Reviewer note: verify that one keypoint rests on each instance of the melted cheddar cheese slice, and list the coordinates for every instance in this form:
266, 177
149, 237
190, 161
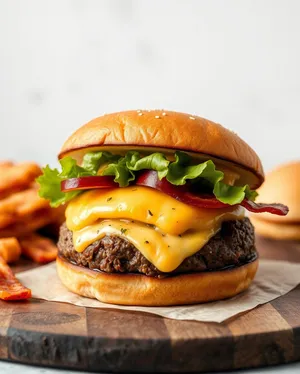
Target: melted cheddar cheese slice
141, 204
163, 229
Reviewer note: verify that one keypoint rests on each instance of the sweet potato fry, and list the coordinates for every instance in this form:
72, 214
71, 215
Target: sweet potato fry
38, 248
17, 177
32, 223
5, 164
24, 209
10, 249
10, 287
22, 203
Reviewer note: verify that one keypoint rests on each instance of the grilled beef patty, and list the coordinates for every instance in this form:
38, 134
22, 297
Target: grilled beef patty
233, 245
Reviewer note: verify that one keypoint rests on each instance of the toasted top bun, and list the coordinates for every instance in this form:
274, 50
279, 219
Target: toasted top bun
168, 130
282, 186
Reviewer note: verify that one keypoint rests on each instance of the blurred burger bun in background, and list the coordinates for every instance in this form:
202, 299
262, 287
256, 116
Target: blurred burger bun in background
281, 184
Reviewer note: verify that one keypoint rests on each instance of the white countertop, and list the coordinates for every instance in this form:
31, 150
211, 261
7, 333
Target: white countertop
9, 368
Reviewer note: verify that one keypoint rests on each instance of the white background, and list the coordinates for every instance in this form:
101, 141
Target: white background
63, 62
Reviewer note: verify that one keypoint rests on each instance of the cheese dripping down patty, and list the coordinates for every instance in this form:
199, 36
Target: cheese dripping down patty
164, 230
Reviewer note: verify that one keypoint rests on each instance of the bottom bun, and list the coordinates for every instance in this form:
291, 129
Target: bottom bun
136, 289
276, 230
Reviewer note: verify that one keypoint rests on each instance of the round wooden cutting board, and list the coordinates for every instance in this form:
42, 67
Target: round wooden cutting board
68, 336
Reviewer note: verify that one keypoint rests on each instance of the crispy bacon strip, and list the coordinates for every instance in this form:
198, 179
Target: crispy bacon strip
10, 249
38, 248
10, 287
278, 209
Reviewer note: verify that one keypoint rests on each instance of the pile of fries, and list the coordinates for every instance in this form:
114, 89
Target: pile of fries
22, 213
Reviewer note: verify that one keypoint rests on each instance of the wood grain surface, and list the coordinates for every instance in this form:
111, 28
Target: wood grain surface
68, 336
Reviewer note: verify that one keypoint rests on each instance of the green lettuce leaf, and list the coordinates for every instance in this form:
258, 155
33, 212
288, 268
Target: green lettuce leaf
250, 194
233, 194
204, 176
70, 169
119, 170
50, 186
181, 169
51, 179
155, 161
123, 169
92, 161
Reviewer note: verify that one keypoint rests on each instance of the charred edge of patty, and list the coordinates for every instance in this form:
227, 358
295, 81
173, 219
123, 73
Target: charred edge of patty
232, 246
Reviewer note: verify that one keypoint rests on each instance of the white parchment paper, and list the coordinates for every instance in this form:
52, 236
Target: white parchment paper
273, 279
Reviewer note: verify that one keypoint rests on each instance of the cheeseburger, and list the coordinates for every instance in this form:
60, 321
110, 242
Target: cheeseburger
286, 178
156, 209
